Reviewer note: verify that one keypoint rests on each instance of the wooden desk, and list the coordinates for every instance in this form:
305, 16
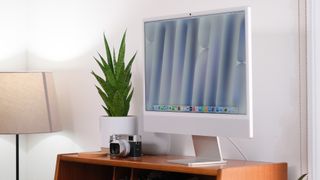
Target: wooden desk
73, 167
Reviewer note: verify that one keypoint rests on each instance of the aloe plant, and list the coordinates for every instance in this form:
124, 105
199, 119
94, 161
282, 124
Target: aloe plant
115, 86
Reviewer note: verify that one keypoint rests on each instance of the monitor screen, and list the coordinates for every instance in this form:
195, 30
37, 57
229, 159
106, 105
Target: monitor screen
198, 64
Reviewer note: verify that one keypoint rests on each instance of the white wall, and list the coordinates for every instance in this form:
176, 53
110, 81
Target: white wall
13, 35
64, 35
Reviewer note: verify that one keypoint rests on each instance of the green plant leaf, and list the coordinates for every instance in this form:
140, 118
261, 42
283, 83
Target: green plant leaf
120, 66
126, 108
103, 96
102, 60
128, 68
127, 78
110, 77
106, 71
107, 110
130, 96
107, 88
101, 66
114, 58
301, 177
120, 73
108, 53
100, 80
122, 49
121, 77
118, 102
127, 90
127, 103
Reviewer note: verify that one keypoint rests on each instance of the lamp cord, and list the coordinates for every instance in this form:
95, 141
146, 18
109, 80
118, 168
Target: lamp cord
238, 149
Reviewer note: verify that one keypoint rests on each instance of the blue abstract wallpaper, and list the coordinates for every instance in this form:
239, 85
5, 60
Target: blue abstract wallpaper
196, 64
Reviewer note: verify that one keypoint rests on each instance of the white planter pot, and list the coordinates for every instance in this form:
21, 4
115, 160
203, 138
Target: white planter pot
116, 125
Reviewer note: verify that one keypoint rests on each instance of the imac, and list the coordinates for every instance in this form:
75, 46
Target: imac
197, 78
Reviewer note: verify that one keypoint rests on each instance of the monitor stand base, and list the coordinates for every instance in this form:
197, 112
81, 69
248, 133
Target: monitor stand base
207, 150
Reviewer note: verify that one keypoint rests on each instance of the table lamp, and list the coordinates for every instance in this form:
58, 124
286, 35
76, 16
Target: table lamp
27, 105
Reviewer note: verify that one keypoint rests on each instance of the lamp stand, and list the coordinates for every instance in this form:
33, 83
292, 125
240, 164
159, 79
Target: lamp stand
17, 156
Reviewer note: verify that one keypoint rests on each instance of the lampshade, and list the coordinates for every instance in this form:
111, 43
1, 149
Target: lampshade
27, 103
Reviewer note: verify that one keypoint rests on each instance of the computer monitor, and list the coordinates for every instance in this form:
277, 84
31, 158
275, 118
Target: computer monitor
197, 76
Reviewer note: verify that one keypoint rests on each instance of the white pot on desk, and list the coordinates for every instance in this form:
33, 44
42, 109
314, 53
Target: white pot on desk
116, 125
